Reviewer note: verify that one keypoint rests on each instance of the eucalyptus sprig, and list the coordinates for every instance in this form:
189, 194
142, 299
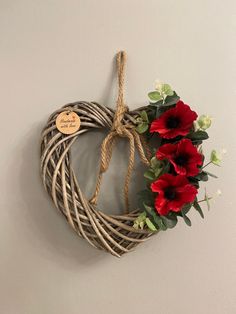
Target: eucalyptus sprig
143, 122
161, 92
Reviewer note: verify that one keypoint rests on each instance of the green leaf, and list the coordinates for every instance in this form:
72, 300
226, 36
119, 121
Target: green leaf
187, 220
157, 172
165, 168
196, 142
154, 162
150, 225
157, 104
150, 175
170, 223
148, 208
156, 218
154, 96
167, 90
198, 135
140, 220
194, 182
186, 209
161, 223
141, 217
202, 176
141, 224
171, 100
142, 127
144, 116
151, 113
156, 166
203, 156
198, 208
146, 196
139, 120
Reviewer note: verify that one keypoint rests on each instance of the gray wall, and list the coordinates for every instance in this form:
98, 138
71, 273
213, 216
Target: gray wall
55, 52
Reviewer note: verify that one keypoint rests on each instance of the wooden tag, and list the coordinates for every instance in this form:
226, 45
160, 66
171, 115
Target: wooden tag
68, 122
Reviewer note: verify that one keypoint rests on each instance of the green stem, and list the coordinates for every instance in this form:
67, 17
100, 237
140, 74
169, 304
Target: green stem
204, 200
207, 164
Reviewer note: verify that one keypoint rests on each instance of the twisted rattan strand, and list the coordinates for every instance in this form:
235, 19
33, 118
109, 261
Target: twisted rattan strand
112, 233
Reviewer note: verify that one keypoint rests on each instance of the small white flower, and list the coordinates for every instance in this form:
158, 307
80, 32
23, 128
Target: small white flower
158, 85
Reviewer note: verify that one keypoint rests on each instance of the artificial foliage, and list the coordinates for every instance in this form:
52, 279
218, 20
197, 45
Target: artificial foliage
177, 166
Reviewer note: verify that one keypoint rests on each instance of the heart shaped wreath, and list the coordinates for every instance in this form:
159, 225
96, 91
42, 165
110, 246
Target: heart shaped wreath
174, 168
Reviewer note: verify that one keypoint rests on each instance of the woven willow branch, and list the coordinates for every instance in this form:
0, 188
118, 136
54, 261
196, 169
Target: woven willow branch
111, 233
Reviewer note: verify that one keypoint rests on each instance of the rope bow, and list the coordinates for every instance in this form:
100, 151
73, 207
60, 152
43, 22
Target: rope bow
121, 130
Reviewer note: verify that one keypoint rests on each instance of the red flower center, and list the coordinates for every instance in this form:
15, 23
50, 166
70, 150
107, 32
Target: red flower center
175, 121
181, 160
170, 193
183, 155
172, 122
173, 192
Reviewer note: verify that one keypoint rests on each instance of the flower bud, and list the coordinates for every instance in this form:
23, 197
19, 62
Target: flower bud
215, 158
204, 122
158, 85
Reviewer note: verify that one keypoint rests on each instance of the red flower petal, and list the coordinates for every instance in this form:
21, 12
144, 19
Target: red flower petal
162, 207
184, 156
175, 121
173, 193
163, 182
166, 151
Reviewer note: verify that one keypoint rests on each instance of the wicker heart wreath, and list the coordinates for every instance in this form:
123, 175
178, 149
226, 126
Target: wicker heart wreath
174, 169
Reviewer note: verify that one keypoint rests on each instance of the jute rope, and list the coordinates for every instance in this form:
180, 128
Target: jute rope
112, 233
119, 129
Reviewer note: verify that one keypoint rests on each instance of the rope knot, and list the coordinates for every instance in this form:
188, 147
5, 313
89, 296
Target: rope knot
122, 130
118, 125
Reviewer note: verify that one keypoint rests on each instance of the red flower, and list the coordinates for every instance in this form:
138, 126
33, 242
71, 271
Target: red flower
175, 121
173, 193
184, 156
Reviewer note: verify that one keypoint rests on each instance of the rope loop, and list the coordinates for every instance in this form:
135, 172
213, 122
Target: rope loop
119, 129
